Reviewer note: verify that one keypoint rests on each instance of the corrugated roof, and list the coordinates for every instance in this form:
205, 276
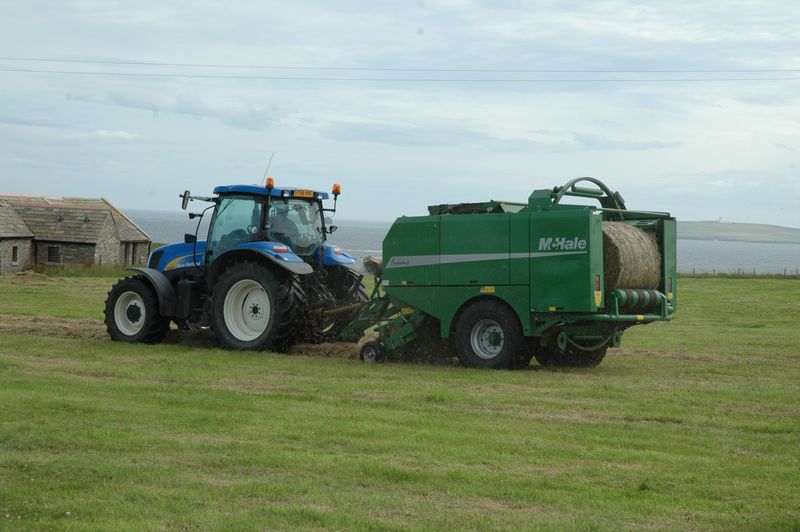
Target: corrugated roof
11, 225
72, 219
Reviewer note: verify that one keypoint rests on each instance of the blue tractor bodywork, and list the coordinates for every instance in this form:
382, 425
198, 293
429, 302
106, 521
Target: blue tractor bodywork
190, 255
279, 235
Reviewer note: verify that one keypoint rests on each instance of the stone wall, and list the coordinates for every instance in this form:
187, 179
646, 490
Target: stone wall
133, 253
69, 254
107, 248
23, 262
141, 253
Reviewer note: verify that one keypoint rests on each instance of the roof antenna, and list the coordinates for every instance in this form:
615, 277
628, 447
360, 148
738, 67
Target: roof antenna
267, 170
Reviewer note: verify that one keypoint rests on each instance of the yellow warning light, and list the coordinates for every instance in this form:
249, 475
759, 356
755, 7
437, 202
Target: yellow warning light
270, 182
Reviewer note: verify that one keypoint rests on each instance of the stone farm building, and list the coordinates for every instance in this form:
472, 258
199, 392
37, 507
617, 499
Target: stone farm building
40, 231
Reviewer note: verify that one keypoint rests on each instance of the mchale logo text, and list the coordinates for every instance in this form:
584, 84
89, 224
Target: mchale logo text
561, 244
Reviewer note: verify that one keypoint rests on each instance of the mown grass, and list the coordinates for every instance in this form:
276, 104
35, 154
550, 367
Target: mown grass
693, 424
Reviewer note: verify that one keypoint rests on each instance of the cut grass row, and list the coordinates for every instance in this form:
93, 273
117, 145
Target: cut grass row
693, 424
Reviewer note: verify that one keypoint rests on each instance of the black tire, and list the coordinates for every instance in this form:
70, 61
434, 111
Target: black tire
254, 308
372, 351
488, 335
347, 288
131, 313
571, 357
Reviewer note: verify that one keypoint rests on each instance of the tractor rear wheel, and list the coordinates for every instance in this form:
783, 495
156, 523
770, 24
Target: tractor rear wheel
571, 357
252, 308
131, 313
488, 335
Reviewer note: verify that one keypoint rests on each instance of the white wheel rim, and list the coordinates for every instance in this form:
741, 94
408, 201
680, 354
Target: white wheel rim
129, 313
370, 354
246, 310
486, 339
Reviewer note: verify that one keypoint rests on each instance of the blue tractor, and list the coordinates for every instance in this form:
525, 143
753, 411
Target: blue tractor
263, 279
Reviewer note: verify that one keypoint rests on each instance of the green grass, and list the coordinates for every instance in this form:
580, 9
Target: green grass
693, 424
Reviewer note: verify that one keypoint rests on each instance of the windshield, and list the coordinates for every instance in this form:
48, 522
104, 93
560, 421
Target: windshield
296, 223
237, 219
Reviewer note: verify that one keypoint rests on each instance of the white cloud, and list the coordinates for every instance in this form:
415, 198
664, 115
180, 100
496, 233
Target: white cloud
658, 140
106, 135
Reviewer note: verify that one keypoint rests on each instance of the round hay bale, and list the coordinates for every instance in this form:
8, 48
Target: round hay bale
630, 257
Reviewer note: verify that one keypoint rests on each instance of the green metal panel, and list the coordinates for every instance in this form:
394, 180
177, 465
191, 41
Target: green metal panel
475, 249
520, 243
566, 257
443, 302
669, 255
411, 251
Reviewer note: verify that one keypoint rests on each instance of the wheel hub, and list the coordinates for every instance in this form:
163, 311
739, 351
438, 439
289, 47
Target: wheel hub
129, 313
134, 313
486, 339
370, 355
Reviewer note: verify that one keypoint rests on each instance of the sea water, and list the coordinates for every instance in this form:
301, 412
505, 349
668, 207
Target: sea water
363, 238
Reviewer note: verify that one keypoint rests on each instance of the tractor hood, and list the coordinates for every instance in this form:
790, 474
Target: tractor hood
179, 255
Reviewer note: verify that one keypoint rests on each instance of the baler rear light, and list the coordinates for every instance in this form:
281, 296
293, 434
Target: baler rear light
337, 251
280, 249
598, 295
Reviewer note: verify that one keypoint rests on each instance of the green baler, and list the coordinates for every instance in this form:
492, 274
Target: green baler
502, 282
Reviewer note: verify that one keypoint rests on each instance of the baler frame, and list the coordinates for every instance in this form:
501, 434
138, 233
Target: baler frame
397, 316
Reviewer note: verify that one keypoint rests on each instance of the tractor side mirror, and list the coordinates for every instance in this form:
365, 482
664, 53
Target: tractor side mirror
185, 203
330, 228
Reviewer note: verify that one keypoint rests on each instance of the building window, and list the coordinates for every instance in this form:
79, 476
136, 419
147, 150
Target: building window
53, 254
14, 255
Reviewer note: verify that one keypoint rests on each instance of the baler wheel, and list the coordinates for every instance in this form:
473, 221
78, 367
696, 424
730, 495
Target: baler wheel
372, 351
131, 313
252, 308
488, 335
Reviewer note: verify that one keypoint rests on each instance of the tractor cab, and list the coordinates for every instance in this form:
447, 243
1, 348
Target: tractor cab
285, 225
245, 214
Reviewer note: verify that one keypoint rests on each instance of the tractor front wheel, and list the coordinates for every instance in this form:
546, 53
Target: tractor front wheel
253, 309
488, 335
131, 313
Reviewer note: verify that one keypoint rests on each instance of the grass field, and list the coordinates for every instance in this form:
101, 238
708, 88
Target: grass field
693, 424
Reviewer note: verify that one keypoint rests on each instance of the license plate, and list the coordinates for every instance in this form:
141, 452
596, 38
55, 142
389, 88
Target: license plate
303, 193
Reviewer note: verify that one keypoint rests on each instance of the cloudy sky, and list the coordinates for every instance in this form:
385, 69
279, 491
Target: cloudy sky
687, 106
